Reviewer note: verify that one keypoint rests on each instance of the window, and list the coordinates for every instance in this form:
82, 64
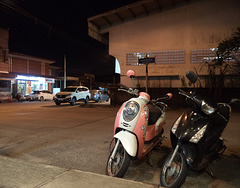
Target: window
5, 86
161, 57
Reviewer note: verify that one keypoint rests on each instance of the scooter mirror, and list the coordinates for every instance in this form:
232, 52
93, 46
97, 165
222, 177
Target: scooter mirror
192, 76
169, 96
236, 101
130, 74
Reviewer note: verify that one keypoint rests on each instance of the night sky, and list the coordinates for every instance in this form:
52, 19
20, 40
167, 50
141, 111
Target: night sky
61, 29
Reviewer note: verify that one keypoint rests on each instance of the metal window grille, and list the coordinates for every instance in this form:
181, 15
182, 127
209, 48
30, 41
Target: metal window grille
203, 55
161, 57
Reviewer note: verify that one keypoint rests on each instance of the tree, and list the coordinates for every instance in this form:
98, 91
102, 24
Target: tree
227, 61
229, 51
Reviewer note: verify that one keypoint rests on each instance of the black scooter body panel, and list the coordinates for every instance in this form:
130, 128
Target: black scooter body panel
191, 122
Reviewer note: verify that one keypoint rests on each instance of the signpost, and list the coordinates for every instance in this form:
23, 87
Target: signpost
146, 61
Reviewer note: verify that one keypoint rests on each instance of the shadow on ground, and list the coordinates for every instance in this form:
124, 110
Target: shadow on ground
226, 171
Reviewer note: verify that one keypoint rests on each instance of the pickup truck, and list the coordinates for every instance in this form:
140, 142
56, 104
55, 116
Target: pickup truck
72, 94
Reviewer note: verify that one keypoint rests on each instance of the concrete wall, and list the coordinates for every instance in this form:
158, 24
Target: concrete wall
199, 25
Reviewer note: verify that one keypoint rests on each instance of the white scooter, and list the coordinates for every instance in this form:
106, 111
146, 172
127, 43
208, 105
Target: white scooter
138, 128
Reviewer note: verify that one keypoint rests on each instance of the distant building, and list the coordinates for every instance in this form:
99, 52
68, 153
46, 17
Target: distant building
178, 34
20, 73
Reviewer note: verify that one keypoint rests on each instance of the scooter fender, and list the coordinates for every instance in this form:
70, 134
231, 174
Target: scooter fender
129, 142
190, 152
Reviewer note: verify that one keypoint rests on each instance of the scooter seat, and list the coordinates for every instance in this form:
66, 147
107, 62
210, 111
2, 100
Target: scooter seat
154, 114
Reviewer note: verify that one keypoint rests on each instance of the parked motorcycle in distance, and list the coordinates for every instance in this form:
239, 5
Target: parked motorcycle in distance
138, 128
195, 137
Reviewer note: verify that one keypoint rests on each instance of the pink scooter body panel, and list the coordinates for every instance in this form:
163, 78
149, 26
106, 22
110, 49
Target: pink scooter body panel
140, 127
117, 119
140, 130
150, 133
153, 130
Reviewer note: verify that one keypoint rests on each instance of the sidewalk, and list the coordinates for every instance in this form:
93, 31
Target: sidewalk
18, 173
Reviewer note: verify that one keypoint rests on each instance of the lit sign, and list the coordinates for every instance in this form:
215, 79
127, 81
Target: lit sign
49, 80
34, 78
30, 78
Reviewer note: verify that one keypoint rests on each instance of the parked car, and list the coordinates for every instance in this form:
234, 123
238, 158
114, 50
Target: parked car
98, 95
72, 94
40, 95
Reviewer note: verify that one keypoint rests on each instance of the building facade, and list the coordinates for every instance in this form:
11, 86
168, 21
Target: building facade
180, 35
20, 73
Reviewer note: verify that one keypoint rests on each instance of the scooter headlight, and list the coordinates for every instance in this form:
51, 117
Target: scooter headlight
130, 111
207, 109
198, 135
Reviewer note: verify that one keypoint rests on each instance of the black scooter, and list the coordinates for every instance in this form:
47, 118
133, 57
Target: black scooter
195, 137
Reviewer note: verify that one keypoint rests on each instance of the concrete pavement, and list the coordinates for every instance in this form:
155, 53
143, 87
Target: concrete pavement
25, 174
19, 173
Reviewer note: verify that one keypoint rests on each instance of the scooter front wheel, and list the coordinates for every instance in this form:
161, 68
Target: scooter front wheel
174, 175
117, 165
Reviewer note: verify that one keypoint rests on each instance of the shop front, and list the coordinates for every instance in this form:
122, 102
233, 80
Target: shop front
26, 84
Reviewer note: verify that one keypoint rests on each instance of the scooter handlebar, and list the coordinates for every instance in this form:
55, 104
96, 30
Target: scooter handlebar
168, 96
184, 93
130, 91
191, 96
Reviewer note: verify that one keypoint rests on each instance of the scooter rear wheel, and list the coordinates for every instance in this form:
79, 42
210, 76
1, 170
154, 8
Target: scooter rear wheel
175, 175
118, 166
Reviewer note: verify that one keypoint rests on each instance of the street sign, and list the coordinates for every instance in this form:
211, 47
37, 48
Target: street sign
146, 60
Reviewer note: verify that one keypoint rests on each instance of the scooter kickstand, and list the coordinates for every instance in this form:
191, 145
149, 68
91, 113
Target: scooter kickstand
210, 172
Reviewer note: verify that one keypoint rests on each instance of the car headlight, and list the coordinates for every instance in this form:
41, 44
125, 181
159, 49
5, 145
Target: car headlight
206, 108
175, 125
130, 111
198, 135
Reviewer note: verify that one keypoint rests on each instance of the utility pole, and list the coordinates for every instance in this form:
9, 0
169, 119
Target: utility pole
65, 72
147, 77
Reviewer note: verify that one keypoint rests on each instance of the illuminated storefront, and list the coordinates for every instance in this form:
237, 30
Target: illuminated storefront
27, 84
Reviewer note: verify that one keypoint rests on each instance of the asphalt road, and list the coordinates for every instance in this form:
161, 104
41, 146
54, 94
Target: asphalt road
66, 136
78, 137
